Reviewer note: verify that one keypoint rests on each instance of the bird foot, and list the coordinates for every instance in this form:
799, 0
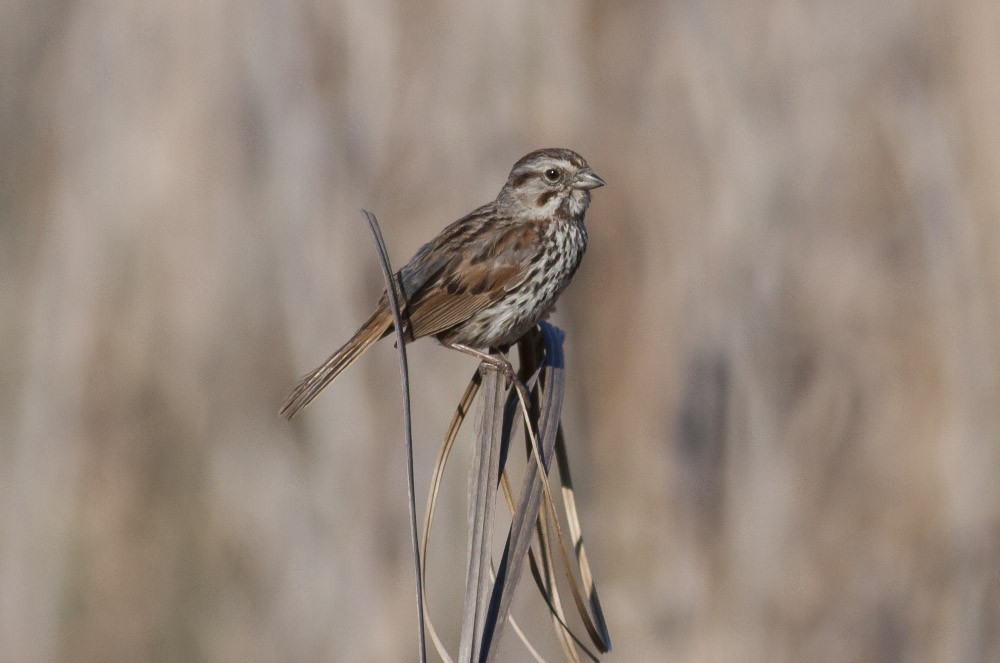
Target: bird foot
499, 363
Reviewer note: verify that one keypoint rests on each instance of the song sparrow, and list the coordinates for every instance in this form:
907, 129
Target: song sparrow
489, 277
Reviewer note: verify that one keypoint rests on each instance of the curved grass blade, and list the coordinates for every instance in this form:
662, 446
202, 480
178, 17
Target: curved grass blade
442, 460
393, 297
486, 475
481, 632
444, 453
563, 632
576, 532
532, 486
590, 610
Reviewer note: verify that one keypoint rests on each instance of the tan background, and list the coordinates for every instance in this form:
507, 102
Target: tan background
783, 344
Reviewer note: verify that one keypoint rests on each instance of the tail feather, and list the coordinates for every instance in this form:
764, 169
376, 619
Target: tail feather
375, 328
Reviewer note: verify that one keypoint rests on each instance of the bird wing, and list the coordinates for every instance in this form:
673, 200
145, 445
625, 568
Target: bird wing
489, 260
437, 309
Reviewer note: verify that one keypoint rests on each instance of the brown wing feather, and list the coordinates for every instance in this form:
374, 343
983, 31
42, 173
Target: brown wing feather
488, 265
439, 308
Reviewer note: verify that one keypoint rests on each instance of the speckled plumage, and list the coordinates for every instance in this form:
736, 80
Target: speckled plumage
489, 277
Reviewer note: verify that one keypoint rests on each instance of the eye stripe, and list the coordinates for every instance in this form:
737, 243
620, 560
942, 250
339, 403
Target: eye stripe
519, 180
545, 198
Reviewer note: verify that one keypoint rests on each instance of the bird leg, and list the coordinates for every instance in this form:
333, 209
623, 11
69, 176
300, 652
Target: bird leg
500, 363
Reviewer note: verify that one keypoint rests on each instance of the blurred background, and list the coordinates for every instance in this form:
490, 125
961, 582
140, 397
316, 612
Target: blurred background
782, 405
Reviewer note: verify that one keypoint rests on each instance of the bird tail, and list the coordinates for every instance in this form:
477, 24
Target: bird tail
309, 387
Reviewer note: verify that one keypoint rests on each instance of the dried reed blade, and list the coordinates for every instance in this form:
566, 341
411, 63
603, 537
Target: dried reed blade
442, 460
532, 486
590, 610
461, 411
392, 291
485, 613
482, 489
517, 629
546, 586
576, 532
568, 640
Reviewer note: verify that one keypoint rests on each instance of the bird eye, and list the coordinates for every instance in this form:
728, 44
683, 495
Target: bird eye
552, 175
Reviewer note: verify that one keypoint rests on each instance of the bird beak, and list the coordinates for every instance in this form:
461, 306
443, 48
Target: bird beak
587, 179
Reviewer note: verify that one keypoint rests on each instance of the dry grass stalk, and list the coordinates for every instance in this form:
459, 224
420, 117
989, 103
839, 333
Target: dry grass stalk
486, 609
394, 296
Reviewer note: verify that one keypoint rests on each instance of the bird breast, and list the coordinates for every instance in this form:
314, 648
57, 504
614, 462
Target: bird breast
504, 322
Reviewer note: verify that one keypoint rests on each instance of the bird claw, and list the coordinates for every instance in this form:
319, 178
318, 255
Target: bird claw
498, 363
507, 370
